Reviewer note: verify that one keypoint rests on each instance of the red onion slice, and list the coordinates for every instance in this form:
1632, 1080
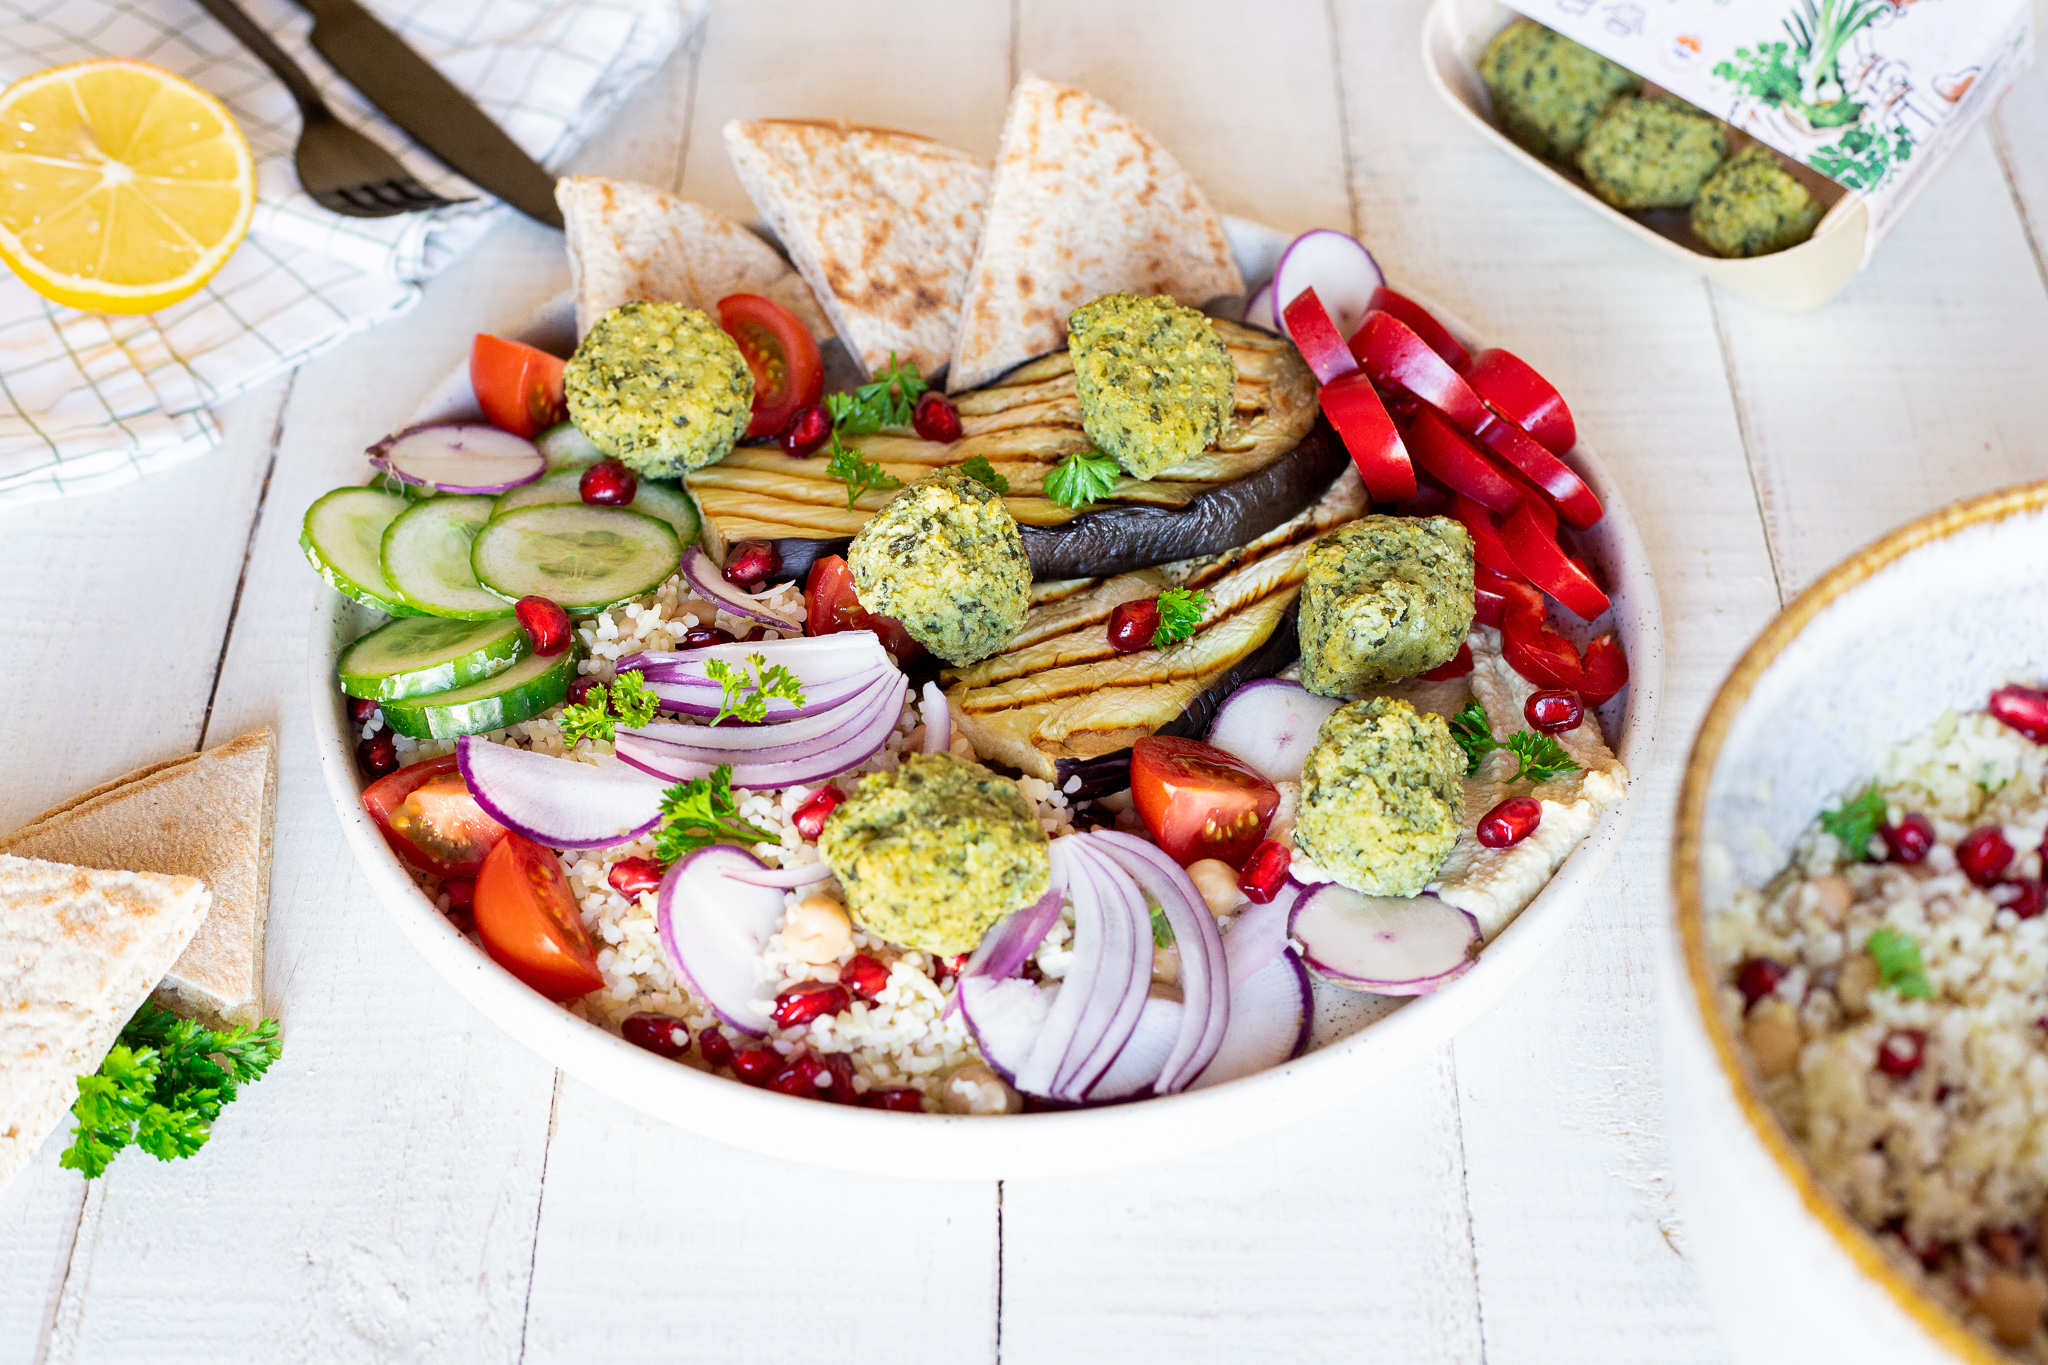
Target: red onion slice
755, 741
702, 699
1111, 1013
1385, 944
459, 457
869, 723
1005, 949
709, 581
1036, 1068
938, 719
1205, 972
559, 802
715, 927
832, 669
1007, 1018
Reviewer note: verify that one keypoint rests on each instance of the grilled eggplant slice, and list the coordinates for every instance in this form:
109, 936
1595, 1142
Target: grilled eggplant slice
1273, 460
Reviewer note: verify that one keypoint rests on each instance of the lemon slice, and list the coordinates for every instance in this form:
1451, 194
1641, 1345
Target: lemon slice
122, 187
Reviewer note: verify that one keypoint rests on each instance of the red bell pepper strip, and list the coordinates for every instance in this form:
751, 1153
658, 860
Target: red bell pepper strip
1543, 562
1488, 548
1444, 454
1393, 355
1606, 670
1514, 390
1355, 410
1458, 667
1422, 323
1317, 337
1559, 484
1532, 649
1490, 596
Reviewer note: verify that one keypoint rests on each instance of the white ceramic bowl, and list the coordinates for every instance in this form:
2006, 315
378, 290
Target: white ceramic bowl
1933, 616
1356, 1037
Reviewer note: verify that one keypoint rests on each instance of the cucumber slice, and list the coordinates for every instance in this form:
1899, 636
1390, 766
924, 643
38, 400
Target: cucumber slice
342, 536
424, 654
583, 558
663, 500
567, 448
521, 692
426, 557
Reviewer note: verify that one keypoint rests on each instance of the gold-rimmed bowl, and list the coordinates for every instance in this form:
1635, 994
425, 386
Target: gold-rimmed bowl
1931, 617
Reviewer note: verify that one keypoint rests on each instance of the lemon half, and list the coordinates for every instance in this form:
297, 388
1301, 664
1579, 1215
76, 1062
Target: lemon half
122, 187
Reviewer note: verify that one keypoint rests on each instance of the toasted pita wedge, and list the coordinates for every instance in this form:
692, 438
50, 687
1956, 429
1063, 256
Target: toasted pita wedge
1085, 204
881, 223
204, 815
79, 951
630, 242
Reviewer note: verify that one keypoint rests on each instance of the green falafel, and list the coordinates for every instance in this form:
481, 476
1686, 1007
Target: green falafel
1753, 206
1652, 153
1384, 598
1547, 90
1382, 797
660, 387
945, 558
1157, 385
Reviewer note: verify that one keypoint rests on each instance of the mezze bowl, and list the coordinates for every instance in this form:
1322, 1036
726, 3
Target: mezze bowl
1933, 616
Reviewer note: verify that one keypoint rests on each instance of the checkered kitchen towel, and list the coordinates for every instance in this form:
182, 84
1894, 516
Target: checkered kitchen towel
88, 401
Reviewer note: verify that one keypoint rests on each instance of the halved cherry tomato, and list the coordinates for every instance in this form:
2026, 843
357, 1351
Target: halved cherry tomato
830, 606
1198, 801
788, 372
519, 388
426, 814
528, 919
1422, 322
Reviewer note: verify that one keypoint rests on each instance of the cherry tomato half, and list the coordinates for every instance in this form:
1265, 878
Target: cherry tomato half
788, 372
1199, 802
830, 606
432, 823
527, 916
518, 387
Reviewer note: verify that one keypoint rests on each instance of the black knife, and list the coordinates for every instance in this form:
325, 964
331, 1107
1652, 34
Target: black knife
412, 94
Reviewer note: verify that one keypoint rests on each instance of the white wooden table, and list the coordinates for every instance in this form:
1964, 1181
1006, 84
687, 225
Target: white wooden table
410, 1184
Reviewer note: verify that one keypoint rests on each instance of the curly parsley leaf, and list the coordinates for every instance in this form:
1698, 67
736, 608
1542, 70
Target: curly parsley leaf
984, 473
856, 471
1083, 477
1538, 757
162, 1086
1898, 963
889, 400
627, 701
696, 814
1855, 822
746, 695
1474, 736
1180, 611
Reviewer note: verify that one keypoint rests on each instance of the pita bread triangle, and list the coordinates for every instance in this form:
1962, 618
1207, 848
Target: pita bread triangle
79, 951
630, 242
206, 816
1086, 203
881, 223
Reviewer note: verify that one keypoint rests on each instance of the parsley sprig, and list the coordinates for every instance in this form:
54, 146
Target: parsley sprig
1180, 611
1898, 963
1539, 757
984, 473
1083, 477
888, 400
856, 471
162, 1087
745, 694
626, 702
703, 812
1855, 822
1162, 930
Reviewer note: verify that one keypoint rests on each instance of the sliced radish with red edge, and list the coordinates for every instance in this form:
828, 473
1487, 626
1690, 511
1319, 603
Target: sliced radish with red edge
1271, 724
1405, 945
1334, 264
715, 927
459, 457
1270, 1018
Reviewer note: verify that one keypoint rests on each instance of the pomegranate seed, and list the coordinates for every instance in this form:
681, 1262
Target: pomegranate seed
1512, 821
546, 624
662, 1034
806, 431
841, 1090
864, 976
750, 563
715, 1048
608, 484
1265, 872
1910, 839
757, 633
806, 1000
935, 418
800, 1078
635, 877
378, 756
1554, 712
461, 893
2007, 1246
1133, 624
900, 1099
579, 690
360, 709
1983, 854
2025, 709
810, 816
1902, 1052
1756, 978
755, 1065
697, 637
2025, 897
946, 967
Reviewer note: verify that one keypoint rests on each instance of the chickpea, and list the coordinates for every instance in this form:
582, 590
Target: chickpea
1166, 964
974, 1089
963, 749
1217, 881
2012, 1303
818, 930
1161, 990
1773, 1038
1832, 897
1858, 978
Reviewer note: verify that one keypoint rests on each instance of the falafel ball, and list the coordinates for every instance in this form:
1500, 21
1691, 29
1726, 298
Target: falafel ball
1753, 206
946, 559
1547, 90
660, 387
1384, 598
1652, 153
1157, 384
1382, 797
936, 852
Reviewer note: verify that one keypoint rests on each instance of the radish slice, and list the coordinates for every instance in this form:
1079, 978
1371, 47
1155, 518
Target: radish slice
559, 802
460, 457
1205, 971
1271, 724
938, 719
1270, 1017
1137, 1069
1258, 309
1259, 934
1334, 264
788, 878
1007, 1017
715, 926
1390, 945
709, 581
